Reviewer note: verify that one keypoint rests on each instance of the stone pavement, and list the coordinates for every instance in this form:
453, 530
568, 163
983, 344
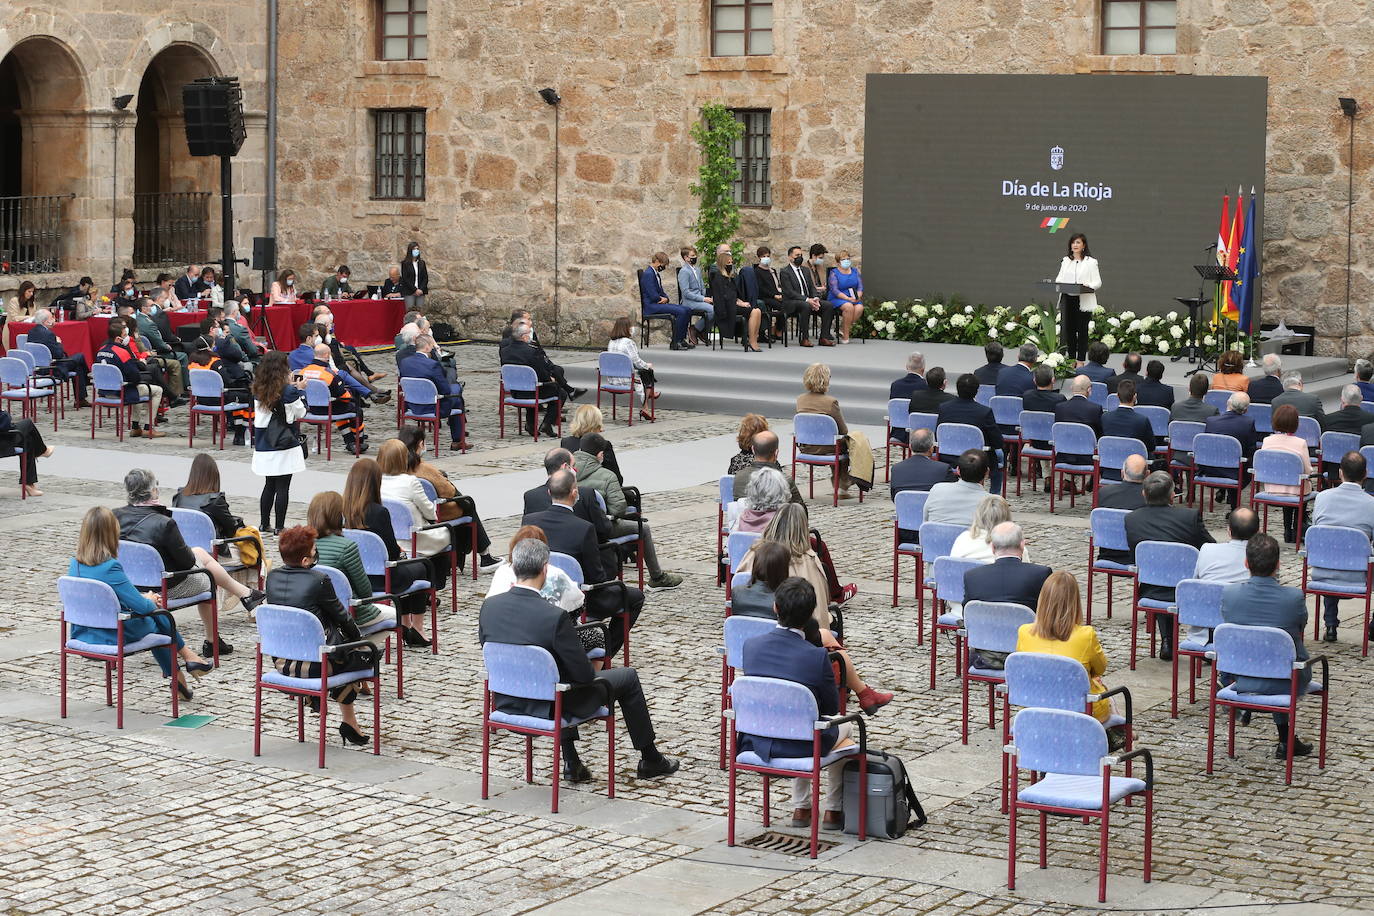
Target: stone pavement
150, 819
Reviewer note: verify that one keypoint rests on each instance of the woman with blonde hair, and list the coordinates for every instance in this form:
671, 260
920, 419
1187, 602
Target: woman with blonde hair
97, 557
750, 425
586, 420
1059, 630
1230, 374
789, 528
976, 542
856, 454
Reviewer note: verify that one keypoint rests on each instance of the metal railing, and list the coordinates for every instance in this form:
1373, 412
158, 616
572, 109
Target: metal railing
171, 229
31, 234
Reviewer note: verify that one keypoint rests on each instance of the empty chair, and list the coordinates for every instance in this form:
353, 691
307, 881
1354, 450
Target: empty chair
1107, 531
947, 581
1213, 455
1163, 564
1072, 443
1036, 426
896, 419
989, 626
908, 506
1112, 452
1197, 604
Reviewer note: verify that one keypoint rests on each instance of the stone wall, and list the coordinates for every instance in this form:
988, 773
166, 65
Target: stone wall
75, 56
632, 76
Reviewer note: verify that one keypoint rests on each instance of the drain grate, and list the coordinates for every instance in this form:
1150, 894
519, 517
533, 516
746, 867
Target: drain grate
786, 843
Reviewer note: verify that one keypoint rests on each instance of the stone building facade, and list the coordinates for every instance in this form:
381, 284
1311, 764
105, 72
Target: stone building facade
86, 189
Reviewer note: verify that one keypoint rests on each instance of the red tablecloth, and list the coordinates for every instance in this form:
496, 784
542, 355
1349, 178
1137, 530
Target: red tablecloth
177, 319
367, 322
279, 319
75, 336
300, 314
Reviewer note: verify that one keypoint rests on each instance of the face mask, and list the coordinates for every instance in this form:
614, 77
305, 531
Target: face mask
291, 282
845, 263
798, 260
128, 294
819, 261
414, 252
692, 261
765, 261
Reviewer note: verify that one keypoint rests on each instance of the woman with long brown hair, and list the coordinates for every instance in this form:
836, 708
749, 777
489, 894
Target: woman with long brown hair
23, 305
363, 510
278, 406
204, 494
284, 288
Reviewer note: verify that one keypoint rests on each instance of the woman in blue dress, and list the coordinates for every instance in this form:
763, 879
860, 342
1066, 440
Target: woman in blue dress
846, 292
97, 552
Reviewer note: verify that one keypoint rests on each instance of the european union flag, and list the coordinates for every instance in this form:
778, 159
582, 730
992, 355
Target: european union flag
1247, 271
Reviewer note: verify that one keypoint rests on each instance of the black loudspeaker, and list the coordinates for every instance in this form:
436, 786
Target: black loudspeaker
264, 253
213, 109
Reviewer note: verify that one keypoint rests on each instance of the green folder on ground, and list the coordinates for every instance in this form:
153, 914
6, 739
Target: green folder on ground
189, 721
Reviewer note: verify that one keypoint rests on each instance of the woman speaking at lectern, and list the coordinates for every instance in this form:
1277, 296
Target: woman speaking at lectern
1078, 266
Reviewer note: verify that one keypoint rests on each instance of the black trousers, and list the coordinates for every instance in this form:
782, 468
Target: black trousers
605, 601
629, 696
404, 575
23, 434
462, 538
1073, 327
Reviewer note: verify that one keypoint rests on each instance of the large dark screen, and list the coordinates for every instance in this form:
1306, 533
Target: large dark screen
962, 173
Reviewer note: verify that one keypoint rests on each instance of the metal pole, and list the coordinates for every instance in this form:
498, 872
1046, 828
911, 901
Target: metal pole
271, 152
557, 315
1349, 238
226, 193
114, 210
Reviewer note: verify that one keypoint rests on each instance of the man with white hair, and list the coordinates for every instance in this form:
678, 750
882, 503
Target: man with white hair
423, 363
1008, 577
405, 342
1307, 405
1263, 390
519, 351
1351, 417
1364, 378
42, 333
1078, 409
1237, 425
907, 385
1016, 380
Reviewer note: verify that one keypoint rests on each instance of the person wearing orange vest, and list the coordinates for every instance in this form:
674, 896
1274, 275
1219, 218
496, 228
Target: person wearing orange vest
343, 402
205, 358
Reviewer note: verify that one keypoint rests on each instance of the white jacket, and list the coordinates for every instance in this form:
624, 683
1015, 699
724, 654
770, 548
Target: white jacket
406, 488
1084, 272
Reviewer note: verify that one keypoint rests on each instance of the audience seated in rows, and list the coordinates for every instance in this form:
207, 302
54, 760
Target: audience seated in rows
964, 409
1230, 374
1127, 422
1079, 409
1126, 494
1009, 577
558, 589
908, 385
1193, 408
764, 454
333, 549
588, 419
1159, 520
1151, 390
1044, 396
1347, 506
975, 543
450, 504
988, 373
1096, 366
922, 470
1351, 417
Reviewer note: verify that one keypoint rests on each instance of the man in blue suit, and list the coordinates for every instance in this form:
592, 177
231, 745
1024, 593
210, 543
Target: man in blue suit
1151, 390
1127, 423
654, 301
423, 364
1008, 577
1261, 601
1096, 366
1015, 381
1078, 409
1236, 424
989, 373
964, 409
42, 333
908, 385
787, 654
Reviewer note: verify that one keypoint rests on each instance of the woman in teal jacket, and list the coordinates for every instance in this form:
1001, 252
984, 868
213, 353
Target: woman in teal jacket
97, 550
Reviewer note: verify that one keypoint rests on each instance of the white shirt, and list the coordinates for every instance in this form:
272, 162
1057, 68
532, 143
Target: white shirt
1223, 562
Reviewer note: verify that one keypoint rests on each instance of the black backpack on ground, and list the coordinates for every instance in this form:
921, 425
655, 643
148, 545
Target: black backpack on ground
893, 807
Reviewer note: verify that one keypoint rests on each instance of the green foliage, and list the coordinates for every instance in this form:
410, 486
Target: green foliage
717, 214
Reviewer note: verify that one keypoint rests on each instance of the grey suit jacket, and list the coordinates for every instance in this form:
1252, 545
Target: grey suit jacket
1350, 507
690, 287
953, 502
1194, 410
1308, 405
1261, 601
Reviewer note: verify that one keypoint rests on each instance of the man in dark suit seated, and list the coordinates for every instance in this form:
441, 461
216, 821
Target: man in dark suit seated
1351, 417
1126, 494
964, 409
929, 398
765, 446
577, 538
653, 300
1130, 369
1307, 405
1151, 390
1044, 397
786, 653
1237, 425
537, 499
1016, 380
1261, 601
1159, 520
1096, 366
521, 352
522, 617
908, 385
1008, 577
1078, 409
42, 333
1193, 408
1263, 390
424, 364
989, 373
922, 470
189, 285
1127, 423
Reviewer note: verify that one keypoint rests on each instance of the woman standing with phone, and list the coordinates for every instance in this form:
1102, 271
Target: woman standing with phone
278, 406
1078, 266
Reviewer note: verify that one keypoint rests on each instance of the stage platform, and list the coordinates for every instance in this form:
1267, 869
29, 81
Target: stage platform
733, 382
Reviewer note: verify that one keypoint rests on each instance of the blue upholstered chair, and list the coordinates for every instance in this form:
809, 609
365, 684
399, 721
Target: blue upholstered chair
372, 550
918, 420
1218, 398
92, 603
317, 397
1274, 467
1071, 439
18, 384
107, 394
1036, 426
406, 532
1181, 436
1262, 652
208, 399
615, 375
423, 405
1098, 394
737, 544
526, 380
1334, 445
820, 430
297, 635
989, 626
1216, 452
772, 708
956, 438
198, 530
1106, 530
1112, 452
723, 502
1310, 431
1337, 548
1067, 751
985, 395
1159, 425
530, 673
1263, 415
1161, 563
1197, 603
909, 506
452, 523
143, 565
947, 584
634, 538
738, 631
573, 568
896, 418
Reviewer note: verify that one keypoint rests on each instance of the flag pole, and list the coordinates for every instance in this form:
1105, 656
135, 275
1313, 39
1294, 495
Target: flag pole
1259, 281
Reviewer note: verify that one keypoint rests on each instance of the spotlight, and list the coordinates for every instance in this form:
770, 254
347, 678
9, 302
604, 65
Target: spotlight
550, 95
121, 102
1349, 107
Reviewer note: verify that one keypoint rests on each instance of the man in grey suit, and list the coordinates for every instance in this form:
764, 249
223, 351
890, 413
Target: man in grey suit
1193, 408
765, 447
691, 290
1261, 601
1349, 506
1308, 405
954, 502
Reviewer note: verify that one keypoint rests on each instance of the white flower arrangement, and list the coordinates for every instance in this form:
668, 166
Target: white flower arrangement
1176, 332
1054, 360
931, 323
1114, 321
992, 333
918, 310
1209, 341
1163, 347
1109, 340
889, 306
1146, 340
968, 310
958, 321
1033, 318
1127, 316
1134, 325
1009, 326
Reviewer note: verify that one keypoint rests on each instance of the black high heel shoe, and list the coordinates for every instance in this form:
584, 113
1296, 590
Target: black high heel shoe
185, 691
415, 639
198, 668
350, 735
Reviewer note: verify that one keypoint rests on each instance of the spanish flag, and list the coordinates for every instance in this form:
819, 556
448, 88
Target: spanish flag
1228, 307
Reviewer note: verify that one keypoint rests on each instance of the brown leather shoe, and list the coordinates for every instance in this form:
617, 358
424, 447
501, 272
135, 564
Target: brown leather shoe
154, 434
136, 432
827, 342
833, 820
801, 817
806, 343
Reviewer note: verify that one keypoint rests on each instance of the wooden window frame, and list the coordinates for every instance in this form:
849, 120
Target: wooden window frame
410, 33
1142, 29
412, 164
745, 184
748, 6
